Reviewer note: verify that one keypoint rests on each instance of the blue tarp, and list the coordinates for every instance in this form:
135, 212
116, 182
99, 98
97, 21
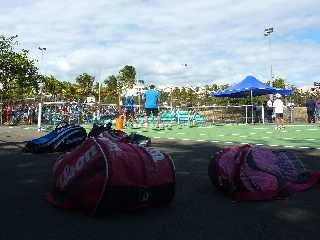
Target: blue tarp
244, 88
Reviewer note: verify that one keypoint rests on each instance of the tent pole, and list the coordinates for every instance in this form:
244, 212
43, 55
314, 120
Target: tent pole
251, 107
262, 114
246, 114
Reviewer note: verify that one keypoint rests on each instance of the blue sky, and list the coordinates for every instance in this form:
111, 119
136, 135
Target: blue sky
221, 41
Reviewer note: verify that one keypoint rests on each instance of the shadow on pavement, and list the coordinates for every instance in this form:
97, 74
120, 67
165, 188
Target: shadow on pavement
198, 212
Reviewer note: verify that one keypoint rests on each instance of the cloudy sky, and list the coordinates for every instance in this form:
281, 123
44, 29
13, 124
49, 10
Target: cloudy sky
221, 41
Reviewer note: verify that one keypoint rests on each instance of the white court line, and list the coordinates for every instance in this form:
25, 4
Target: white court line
215, 141
185, 139
304, 147
253, 133
310, 139
260, 128
268, 132
287, 138
161, 132
157, 137
200, 140
298, 130
259, 144
266, 137
203, 134
288, 146
273, 145
284, 131
229, 142
313, 129
235, 134
171, 138
318, 148
243, 136
221, 135
180, 133
244, 143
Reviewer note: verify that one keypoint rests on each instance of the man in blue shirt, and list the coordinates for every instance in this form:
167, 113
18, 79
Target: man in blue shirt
129, 109
151, 98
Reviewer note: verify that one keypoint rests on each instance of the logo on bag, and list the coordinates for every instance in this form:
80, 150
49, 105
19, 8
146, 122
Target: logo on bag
144, 196
71, 170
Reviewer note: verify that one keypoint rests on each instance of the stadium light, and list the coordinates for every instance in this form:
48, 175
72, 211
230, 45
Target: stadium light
42, 49
267, 33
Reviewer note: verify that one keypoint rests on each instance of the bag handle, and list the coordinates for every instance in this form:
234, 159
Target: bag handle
313, 180
269, 195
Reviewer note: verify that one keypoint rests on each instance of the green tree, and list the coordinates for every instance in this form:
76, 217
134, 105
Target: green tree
279, 83
52, 86
85, 85
110, 91
69, 91
126, 78
18, 73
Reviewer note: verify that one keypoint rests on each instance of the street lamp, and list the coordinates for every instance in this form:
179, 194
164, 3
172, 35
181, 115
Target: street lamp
42, 49
267, 33
40, 84
1, 89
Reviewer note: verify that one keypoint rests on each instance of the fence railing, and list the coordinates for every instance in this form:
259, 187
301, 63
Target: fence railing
51, 114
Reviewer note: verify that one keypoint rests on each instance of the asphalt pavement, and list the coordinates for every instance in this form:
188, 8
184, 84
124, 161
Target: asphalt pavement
198, 211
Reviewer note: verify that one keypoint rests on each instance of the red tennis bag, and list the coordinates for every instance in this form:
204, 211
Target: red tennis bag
103, 175
245, 172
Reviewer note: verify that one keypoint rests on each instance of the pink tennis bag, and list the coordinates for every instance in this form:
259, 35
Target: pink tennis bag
103, 175
245, 172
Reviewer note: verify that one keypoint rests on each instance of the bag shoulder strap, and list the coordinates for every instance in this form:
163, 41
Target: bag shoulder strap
313, 180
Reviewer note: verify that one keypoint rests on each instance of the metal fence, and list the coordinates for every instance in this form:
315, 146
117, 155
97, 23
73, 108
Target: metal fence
54, 113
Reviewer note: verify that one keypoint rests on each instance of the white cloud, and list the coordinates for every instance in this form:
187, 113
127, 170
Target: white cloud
220, 40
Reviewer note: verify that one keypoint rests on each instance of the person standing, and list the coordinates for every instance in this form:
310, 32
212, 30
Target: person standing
278, 110
310, 105
317, 109
269, 110
152, 99
129, 109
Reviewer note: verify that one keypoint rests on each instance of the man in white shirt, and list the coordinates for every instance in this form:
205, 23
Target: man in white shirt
278, 110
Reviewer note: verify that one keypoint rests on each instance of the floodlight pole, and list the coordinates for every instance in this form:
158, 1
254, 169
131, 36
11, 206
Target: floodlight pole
40, 107
268, 33
99, 92
42, 49
271, 74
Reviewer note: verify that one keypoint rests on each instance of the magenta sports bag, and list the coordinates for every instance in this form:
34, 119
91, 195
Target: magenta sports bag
103, 175
244, 172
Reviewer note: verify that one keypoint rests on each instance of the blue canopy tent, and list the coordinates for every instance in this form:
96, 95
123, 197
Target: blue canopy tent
283, 91
250, 86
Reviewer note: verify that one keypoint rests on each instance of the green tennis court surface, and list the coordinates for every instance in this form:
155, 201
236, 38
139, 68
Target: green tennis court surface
293, 136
